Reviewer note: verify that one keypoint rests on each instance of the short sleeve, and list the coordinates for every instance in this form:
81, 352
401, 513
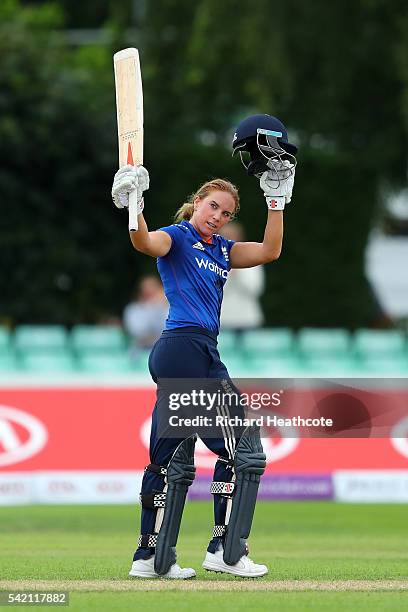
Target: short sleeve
229, 244
226, 246
177, 234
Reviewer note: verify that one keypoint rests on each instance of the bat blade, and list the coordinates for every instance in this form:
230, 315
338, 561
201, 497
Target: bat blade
129, 109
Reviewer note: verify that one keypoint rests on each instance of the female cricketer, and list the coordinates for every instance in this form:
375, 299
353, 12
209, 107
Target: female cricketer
193, 261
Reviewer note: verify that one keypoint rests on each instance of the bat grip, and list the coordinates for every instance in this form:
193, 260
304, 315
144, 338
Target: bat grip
133, 224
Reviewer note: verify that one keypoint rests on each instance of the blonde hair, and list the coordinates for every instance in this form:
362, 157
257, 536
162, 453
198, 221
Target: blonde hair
187, 209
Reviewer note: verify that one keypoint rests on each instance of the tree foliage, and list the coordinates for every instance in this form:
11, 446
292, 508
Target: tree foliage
336, 73
56, 149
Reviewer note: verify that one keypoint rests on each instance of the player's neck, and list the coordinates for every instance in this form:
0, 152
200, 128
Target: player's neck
207, 239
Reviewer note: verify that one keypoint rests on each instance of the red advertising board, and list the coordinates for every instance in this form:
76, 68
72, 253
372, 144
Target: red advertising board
108, 429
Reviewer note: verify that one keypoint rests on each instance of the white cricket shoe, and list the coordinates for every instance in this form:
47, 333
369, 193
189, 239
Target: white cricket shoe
245, 567
144, 568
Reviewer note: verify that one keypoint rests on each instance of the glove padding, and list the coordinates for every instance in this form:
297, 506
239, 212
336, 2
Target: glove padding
127, 179
277, 184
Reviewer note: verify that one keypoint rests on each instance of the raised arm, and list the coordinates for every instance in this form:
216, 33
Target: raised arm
127, 179
155, 244
250, 254
277, 185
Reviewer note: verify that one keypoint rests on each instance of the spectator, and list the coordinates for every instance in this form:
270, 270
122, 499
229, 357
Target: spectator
241, 309
144, 317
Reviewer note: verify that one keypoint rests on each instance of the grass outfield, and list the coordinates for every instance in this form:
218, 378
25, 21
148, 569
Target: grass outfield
319, 555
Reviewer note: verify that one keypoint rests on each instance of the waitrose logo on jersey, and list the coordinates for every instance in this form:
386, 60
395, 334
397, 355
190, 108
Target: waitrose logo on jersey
209, 265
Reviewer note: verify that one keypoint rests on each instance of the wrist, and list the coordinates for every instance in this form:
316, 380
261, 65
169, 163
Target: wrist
275, 202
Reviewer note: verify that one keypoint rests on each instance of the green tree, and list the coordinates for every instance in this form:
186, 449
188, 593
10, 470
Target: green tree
64, 254
334, 72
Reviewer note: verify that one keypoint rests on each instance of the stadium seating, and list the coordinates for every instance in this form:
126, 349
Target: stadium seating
140, 361
227, 343
316, 343
99, 339
41, 339
269, 352
381, 352
4, 341
268, 342
330, 366
110, 364
384, 343
237, 364
8, 363
384, 367
325, 352
47, 363
286, 366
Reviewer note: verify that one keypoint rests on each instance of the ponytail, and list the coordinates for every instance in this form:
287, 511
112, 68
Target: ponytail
184, 212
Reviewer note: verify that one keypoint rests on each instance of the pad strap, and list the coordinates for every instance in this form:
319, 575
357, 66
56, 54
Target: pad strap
156, 469
219, 531
147, 540
226, 489
157, 499
229, 462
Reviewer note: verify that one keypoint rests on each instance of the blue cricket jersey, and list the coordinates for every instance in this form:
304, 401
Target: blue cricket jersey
193, 274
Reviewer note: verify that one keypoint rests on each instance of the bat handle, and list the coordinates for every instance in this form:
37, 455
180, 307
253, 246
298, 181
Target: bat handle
133, 224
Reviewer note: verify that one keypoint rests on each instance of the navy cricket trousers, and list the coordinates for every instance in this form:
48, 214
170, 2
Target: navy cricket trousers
184, 353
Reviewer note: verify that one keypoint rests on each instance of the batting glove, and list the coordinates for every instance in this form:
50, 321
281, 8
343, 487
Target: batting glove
126, 180
277, 184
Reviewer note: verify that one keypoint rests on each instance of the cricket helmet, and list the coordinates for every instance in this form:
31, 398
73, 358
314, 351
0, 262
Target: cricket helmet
258, 139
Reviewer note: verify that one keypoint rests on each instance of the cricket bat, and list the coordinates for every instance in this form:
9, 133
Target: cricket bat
129, 109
